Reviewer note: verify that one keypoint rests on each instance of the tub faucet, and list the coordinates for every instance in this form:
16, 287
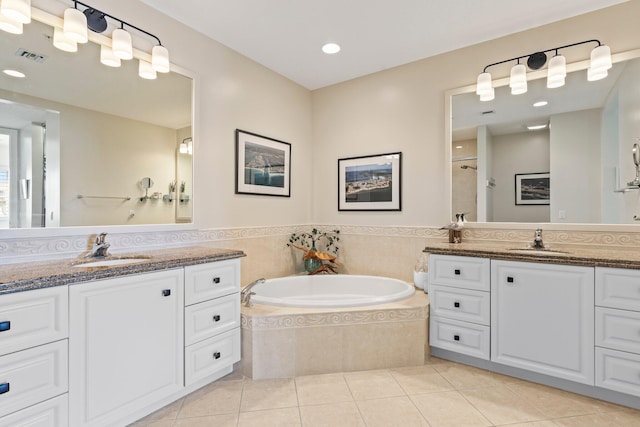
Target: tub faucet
100, 246
245, 295
537, 240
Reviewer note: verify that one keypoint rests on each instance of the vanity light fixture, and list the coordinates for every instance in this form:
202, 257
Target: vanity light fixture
108, 58
186, 146
75, 25
557, 71
10, 25
16, 10
62, 42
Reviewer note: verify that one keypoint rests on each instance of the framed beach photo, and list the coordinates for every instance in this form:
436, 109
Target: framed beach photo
370, 183
263, 165
532, 189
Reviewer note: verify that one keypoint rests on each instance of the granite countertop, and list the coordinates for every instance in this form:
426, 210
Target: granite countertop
44, 274
616, 257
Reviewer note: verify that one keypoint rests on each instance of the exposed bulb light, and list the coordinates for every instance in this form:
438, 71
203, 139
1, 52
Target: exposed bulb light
62, 42
557, 72
518, 79
9, 25
75, 25
121, 44
145, 70
540, 104
17, 10
108, 58
14, 73
331, 48
160, 59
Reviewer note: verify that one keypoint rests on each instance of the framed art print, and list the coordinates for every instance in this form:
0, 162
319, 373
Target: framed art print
532, 189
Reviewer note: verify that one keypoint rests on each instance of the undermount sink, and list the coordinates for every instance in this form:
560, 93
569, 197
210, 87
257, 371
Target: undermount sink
534, 251
110, 262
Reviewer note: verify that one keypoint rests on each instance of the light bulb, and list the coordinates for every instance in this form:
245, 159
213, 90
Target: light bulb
62, 42
75, 25
121, 44
160, 59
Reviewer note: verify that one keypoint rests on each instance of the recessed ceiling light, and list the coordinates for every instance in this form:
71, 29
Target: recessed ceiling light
331, 48
540, 103
537, 127
14, 73
458, 146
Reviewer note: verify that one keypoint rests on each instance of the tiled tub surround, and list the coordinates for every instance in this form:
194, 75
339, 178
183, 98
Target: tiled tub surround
282, 342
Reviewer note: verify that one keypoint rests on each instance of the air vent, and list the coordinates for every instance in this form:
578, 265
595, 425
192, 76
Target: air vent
484, 113
31, 56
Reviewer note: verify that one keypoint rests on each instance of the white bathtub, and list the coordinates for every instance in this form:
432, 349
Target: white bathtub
336, 290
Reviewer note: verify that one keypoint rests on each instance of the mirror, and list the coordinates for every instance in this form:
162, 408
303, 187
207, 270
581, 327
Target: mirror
76, 136
575, 169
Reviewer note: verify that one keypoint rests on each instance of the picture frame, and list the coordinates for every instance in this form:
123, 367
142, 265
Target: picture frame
532, 188
370, 183
263, 165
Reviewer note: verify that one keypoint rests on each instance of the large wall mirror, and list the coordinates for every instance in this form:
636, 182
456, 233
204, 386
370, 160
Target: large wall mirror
561, 155
78, 138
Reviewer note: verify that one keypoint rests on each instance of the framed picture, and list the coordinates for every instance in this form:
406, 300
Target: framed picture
263, 165
370, 183
532, 189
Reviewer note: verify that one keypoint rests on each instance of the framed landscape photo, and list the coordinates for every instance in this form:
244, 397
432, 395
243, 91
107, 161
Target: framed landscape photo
532, 188
370, 183
263, 165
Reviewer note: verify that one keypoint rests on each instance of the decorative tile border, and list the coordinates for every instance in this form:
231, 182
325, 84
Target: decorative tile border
340, 317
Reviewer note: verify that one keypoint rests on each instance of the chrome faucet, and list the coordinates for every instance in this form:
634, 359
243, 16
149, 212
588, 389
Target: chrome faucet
537, 240
245, 295
100, 246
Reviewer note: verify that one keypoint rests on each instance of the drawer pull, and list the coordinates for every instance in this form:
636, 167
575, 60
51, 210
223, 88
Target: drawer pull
456, 337
456, 304
166, 292
215, 280
456, 271
216, 318
216, 355
510, 279
4, 388
5, 326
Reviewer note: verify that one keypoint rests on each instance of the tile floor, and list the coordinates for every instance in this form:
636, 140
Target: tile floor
440, 393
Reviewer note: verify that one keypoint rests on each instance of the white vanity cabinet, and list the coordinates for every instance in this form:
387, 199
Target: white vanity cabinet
33, 358
542, 318
460, 304
618, 330
212, 319
126, 345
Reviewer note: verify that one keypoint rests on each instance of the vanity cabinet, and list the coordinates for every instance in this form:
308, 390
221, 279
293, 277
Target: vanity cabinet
460, 304
618, 330
542, 318
34, 357
126, 345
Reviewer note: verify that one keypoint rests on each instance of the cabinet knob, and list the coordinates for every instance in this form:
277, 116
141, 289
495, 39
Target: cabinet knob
4, 388
5, 326
456, 272
456, 337
215, 280
166, 292
456, 304
510, 279
216, 355
216, 318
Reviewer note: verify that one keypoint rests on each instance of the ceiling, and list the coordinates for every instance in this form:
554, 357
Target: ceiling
286, 35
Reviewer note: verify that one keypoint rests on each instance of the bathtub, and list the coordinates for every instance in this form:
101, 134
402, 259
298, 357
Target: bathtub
339, 290
306, 325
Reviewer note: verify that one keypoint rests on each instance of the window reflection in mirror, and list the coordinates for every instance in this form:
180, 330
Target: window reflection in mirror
84, 129
586, 147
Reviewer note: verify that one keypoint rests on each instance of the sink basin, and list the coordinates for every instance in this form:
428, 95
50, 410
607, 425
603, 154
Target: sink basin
110, 262
533, 251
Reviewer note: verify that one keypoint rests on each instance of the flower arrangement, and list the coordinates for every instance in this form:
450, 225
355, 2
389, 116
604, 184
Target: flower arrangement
316, 261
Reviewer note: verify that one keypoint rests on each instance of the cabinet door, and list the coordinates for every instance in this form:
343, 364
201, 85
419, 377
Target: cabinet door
542, 318
126, 345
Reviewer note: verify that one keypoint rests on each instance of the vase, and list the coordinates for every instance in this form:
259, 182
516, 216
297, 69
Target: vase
311, 264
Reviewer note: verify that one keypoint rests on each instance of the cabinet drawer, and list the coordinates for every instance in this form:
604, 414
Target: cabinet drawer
460, 304
618, 288
209, 356
32, 318
207, 319
206, 281
460, 272
618, 329
30, 376
617, 370
461, 337
51, 413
